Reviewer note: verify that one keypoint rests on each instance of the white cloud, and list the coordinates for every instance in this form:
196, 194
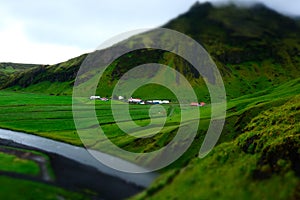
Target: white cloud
53, 31
15, 47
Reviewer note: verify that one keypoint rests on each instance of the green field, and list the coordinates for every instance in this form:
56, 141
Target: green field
51, 116
250, 134
12, 188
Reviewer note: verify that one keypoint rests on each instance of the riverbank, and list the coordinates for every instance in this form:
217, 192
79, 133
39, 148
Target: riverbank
81, 155
78, 177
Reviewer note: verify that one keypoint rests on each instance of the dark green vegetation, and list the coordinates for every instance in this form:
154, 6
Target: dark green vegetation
257, 157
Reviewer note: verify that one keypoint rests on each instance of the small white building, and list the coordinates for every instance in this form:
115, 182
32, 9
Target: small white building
94, 97
165, 101
157, 101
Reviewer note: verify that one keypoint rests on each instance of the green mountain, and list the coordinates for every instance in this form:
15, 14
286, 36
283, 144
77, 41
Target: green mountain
254, 48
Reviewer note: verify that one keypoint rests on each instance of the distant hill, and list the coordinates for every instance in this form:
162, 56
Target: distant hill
298, 20
42, 78
254, 48
7, 69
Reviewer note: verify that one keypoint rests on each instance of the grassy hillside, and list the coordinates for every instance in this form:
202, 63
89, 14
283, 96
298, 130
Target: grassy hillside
254, 48
261, 163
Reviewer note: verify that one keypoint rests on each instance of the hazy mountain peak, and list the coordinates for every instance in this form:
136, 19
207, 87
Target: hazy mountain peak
198, 5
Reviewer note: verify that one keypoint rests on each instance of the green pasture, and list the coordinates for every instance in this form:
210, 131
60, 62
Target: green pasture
12, 188
52, 117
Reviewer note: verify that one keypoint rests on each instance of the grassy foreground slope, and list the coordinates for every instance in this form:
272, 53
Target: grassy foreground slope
262, 163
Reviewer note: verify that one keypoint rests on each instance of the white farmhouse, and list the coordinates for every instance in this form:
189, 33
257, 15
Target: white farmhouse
94, 97
165, 101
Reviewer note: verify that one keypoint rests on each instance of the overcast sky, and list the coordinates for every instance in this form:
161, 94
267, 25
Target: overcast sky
52, 31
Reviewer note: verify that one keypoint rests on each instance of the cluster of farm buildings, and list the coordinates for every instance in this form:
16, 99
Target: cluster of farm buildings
140, 101
143, 102
132, 100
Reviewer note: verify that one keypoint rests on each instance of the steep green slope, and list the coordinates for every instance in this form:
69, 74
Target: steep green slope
254, 48
262, 163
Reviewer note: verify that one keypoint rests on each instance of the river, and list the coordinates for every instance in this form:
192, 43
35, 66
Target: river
80, 155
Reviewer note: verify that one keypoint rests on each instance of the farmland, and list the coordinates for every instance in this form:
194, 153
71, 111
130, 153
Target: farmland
51, 116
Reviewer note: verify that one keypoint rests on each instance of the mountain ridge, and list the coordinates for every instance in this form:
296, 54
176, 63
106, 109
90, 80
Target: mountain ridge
254, 48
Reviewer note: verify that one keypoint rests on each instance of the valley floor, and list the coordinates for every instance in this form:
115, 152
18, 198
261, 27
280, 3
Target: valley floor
259, 146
